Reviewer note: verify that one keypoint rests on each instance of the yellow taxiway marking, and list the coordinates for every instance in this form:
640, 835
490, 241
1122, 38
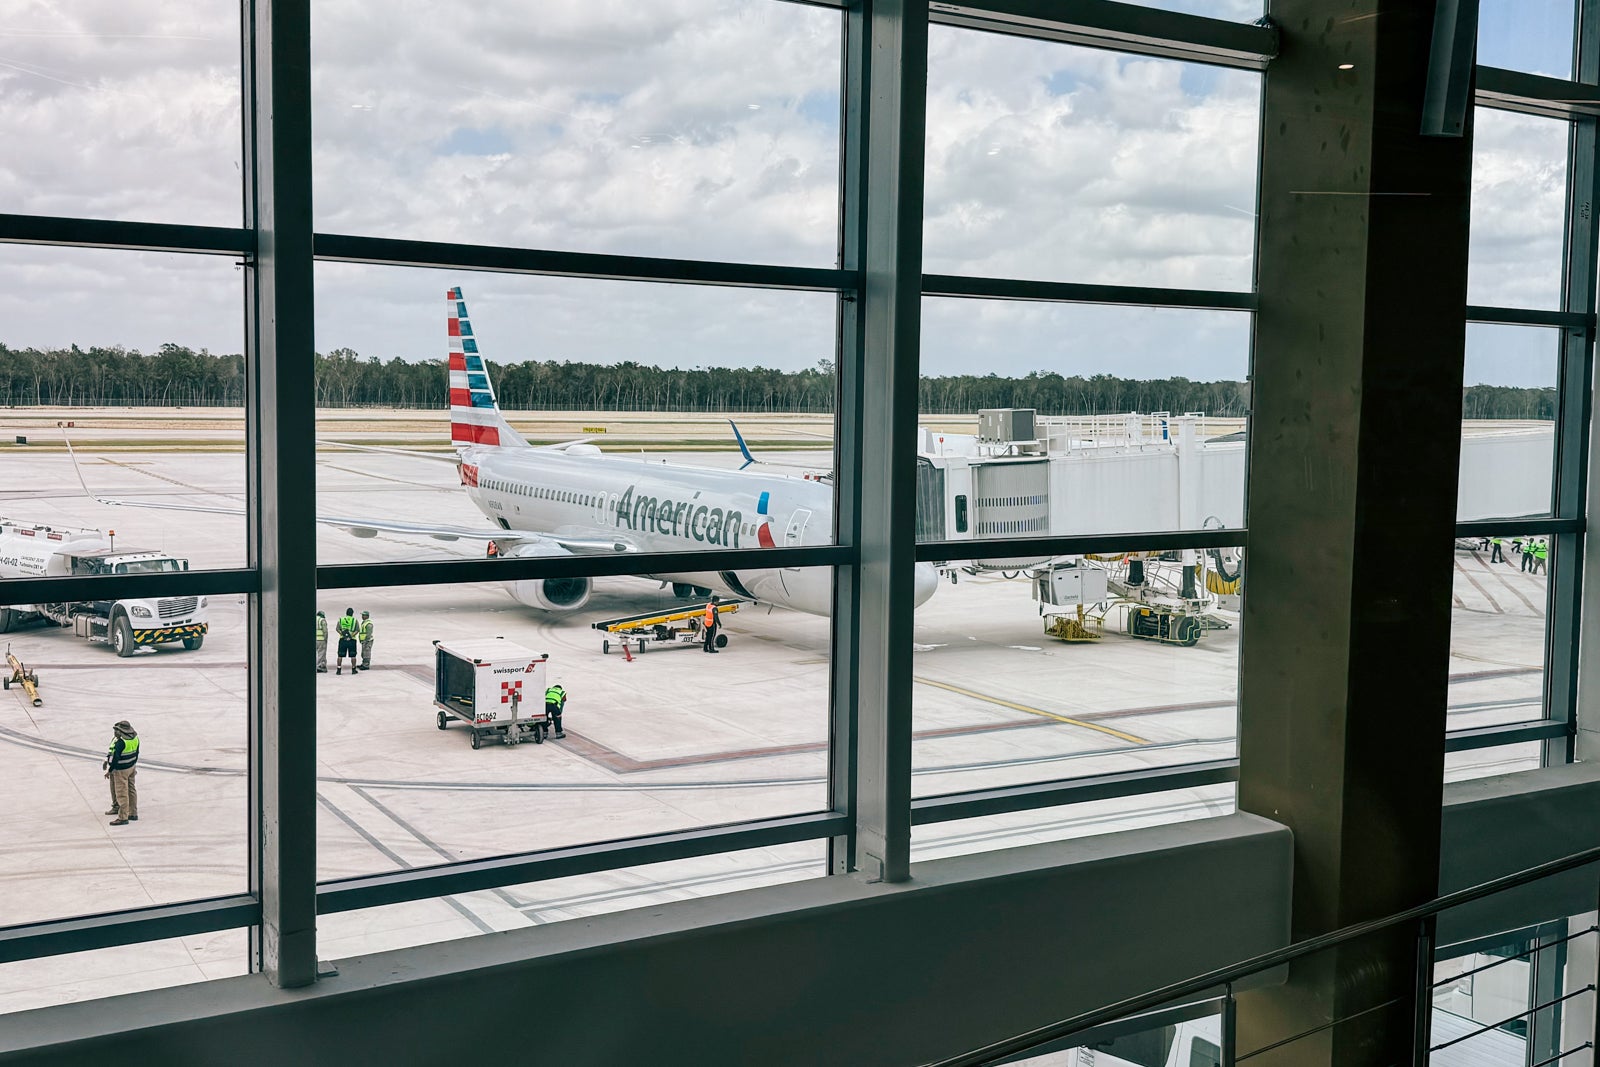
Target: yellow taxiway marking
1034, 711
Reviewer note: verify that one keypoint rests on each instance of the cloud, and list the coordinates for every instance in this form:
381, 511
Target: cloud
678, 128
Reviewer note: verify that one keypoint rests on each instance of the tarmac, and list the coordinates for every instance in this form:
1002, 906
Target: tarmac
668, 741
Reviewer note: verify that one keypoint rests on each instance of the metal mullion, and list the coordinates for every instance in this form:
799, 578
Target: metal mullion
1078, 544
281, 473
948, 807
850, 350
397, 887
1124, 27
966, 286
61, 231
1535, 94
88, 932
442, 572
1498, 736
1551, 526
394, 252
126, 586
1567, 320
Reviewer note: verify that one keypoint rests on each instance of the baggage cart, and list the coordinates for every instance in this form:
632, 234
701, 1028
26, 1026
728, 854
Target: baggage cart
493, 686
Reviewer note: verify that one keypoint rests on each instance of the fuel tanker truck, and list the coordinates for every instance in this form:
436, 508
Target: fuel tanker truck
32, 551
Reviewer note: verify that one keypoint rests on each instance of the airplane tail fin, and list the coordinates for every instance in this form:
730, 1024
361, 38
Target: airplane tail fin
475, 417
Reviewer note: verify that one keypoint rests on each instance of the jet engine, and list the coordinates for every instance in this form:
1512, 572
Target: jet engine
547, 594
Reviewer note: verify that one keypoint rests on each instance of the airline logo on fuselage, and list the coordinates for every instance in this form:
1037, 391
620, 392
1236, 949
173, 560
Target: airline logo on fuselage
679, 518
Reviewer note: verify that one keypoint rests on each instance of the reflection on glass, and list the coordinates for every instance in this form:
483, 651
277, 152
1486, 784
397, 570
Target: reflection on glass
705, 129
1031, 670
172, 670
426, 922
505, 451
149, 391
1483, 991
1085, 419
122, 111
1191, 1043
1508, 422
110, 972
1529, 35
659, 737
1063, 163
1498, 630
1519, 194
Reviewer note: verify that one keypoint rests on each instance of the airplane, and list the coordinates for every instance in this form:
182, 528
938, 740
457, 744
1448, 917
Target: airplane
572, 499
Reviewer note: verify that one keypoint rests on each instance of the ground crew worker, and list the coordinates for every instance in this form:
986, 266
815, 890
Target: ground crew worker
322, 643
708, 625
122, 763
555, 699
347, 640
1526, 549
1541, 552
1497, 555
364, 633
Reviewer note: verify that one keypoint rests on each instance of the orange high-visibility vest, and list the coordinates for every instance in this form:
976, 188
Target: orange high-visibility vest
711, 614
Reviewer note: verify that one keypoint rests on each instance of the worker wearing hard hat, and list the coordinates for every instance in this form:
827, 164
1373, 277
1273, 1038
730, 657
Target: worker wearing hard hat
121, 765
555, 702
708, 625
347, 628
364, 634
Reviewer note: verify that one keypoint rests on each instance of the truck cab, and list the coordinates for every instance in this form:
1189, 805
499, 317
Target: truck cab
128, 625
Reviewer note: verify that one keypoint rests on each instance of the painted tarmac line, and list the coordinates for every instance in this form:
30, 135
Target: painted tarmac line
1130, 738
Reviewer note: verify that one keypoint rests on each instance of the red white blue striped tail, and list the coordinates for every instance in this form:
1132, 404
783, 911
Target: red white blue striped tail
475, 418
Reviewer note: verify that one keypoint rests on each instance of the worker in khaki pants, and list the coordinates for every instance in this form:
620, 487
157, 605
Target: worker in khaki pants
364, 635
121, 765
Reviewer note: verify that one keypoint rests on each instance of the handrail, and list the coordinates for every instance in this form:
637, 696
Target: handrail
1266, 961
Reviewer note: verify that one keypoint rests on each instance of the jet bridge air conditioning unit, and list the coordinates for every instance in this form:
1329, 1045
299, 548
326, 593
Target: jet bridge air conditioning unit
1007, 426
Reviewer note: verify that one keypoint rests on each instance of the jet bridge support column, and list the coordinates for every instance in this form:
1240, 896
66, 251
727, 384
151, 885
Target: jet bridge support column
1354, 449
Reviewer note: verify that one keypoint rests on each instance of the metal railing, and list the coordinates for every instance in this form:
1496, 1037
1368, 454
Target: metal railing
1226, 979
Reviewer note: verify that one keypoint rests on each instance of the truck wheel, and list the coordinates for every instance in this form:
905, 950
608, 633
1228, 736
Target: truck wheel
193, 643
477, 741
7, 617
122, 636
441, 720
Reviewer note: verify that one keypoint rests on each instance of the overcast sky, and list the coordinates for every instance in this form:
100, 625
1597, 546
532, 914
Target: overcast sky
692, 129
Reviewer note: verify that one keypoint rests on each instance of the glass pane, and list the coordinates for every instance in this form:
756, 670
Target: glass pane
149, 391
1238, 10
1499, 630
426, 922
962, 837
1519, 195
1064, 163
1102, 419
110, 972
637, 381
1482, 991
122, 111
1530, 35
1508, 421
703, 129
188, 771
657, 737
1031, 670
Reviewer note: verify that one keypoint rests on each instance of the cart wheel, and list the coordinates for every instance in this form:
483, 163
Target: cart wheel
538, 736
6, 682
476, 740
642, 642
441, 720
722, 640
605, 648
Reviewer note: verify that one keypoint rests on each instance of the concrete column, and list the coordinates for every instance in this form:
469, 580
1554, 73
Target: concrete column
1354, 450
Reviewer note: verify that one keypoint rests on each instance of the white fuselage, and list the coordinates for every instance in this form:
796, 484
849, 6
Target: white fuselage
658, 507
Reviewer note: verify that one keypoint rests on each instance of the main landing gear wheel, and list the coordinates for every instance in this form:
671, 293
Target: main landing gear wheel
193, 643
122, 637
442, 720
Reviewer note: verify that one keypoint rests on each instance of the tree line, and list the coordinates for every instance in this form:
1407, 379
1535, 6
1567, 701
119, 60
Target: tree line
175, 376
